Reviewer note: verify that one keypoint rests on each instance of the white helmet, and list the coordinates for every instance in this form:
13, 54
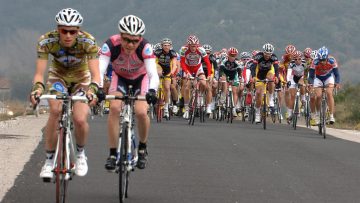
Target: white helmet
131, 25
313, 54
268, 48
69, 17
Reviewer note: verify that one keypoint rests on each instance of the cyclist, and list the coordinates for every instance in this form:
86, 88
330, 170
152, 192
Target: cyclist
166, 59
266, 65
74, 65
324, 70
310, 89
190, 61
283, 67
246, 62
295, 75
229, 71
133, 63
211, 80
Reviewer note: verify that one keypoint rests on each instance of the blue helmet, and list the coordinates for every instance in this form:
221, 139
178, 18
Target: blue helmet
323, 53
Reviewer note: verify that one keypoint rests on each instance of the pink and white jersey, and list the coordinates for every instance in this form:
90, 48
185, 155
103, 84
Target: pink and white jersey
127, 66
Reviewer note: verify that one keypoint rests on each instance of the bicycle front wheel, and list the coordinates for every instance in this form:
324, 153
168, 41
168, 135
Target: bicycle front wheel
323, 118
123, 173
264, 112
60, 169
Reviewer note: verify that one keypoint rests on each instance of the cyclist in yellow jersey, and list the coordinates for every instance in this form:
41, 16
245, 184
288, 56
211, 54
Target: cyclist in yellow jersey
166, 59
74, 66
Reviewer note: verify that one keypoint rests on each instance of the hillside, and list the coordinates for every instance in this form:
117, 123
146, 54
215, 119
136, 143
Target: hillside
240, 23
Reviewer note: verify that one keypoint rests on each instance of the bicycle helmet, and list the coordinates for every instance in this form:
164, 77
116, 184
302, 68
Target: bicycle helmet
254, 52
166, 41
297, 54
207, 47
69, 17
245, 55
268, 48
290, 49
131, 25
323, 53
307, 52
313, 54
233, 51
157, 46
193, 40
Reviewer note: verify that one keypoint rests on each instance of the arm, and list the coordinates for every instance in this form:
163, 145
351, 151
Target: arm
337, 75
38, 81
41, 65
173, 66
289, 74
103, 65
152, 73
208, 64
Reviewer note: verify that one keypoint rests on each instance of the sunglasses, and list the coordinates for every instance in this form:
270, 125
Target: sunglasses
72, 32
299, 59
133, 41
232, 55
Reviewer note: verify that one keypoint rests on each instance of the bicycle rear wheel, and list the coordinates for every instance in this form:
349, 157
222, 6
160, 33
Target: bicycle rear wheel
60, 169
123, 172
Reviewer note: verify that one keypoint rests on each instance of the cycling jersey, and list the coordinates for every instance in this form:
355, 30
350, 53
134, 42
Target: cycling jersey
213, 63
129, 67
69, 65
191, 61
261, 67
73, 61
164, 60
295, 72
230, 69
324, 71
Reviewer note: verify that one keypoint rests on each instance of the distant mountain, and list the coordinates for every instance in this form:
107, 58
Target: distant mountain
244, 24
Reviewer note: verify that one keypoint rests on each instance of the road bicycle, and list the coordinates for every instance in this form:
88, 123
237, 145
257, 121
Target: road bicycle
277, 106
127, 154
323, 112
65, 159
264, 108
197, 101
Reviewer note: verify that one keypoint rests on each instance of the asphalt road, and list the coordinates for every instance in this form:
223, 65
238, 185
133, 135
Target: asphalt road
213, 162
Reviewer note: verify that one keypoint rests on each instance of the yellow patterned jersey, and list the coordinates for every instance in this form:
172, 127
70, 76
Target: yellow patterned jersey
73, 61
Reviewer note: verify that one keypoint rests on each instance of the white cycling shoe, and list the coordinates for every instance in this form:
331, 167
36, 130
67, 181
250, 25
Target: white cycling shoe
81, 167
46, 170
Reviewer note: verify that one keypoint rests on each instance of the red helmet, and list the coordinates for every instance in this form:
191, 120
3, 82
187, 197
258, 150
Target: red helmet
297, 54
307, 52
193, 40
254, 52
290, 49
233, 51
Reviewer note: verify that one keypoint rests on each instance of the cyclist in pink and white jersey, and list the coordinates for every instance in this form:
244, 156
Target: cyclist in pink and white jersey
190, 61
133, 63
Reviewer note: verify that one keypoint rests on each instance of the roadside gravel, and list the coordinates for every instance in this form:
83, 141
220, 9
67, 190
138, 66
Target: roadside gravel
18, 139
